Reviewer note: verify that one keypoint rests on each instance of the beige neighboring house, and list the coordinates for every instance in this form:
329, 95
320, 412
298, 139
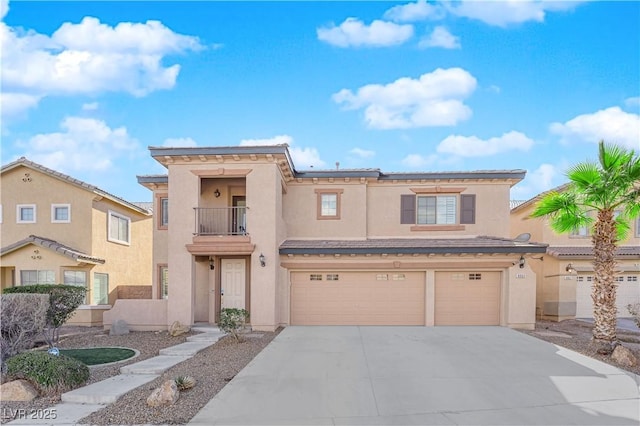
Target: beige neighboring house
242, 227
565, 272
57, 229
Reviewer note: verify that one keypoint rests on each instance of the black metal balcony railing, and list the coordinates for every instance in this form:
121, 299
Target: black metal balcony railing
221, 221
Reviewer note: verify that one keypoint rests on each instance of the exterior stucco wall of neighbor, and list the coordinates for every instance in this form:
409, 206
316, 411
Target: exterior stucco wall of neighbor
557, 294
127, 264
42, 190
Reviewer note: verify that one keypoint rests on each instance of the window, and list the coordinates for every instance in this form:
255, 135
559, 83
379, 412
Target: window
328, 203
382, 277
60, 213
77, 278
119, 228
457, 276
632, 278
448, 212
37, 277
333, 277
0, 213
475, 277
398, 277
26, 213
436, 210
315, 277
164, 212
582, 231
164, 282
100, 290
618, 279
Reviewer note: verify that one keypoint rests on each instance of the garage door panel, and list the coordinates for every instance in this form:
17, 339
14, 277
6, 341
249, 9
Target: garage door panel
628, 292
461, 300
357, 298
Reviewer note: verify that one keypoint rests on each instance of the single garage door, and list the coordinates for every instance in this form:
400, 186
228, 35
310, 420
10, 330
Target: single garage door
628, 293
467, 298
357, 298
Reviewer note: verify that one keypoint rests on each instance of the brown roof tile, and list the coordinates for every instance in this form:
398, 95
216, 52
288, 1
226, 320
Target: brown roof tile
587, 251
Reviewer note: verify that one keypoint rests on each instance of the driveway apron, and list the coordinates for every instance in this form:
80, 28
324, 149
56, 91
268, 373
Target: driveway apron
354, 375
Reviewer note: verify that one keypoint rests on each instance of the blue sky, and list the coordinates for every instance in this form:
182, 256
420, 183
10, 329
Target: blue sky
421, 86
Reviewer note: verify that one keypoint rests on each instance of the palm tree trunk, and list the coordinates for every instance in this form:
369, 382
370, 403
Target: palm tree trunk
604, 287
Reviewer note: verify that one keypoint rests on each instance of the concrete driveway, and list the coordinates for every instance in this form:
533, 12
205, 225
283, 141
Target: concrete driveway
422, 376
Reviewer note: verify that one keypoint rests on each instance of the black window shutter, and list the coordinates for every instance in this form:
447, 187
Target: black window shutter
408, 209
468, 208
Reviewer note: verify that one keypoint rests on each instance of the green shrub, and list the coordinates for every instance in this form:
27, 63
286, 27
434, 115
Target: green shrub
232, 320
22, 318
48, 373
63, 302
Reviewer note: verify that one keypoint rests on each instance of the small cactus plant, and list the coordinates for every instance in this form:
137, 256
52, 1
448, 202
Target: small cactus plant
185, 382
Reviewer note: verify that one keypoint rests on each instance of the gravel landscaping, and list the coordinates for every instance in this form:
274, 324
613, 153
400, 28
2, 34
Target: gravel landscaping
215, 366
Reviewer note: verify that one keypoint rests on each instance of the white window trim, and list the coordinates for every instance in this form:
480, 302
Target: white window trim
53, 213
121, 216
20, 207
1, 213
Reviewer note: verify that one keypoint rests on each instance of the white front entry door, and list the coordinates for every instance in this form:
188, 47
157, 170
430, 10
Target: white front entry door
233, 283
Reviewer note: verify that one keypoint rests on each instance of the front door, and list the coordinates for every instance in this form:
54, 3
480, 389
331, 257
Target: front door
238, 218
232, 283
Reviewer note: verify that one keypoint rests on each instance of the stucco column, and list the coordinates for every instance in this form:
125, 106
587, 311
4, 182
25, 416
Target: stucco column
183, 197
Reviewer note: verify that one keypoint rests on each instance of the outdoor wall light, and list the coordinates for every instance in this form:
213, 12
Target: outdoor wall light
570, 269
212, 265
521, 262
262, 260
217, 193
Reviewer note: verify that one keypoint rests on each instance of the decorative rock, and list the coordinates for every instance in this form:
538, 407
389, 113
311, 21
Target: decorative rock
624, 357
177, 328
17, 390
167, 394
119, 327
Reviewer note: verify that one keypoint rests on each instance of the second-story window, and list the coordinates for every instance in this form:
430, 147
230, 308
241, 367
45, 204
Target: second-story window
26, 213
119, 228
328, 203
436, 210
581, 231
164, 212
60, 213
446, 209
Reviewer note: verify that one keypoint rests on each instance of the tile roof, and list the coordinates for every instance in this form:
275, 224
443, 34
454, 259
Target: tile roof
480, 244
587, 251
534, 199
66, 178
47, 243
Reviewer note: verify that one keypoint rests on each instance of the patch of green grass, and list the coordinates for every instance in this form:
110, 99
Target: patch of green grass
95, 356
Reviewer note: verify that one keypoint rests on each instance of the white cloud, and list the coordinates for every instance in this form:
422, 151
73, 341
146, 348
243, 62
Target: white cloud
302, 157
632, 102
440, 37
542, 179
362, 153
417, 161
434, 99
506, 12
354, 33
276, 140
4, 8
418, 11
611, 125
12, 104
179, 142
90, 106
472, 146
91, 57
83, 144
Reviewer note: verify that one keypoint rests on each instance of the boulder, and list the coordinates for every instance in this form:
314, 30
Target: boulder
119, 327
177, 328
167, 394
18, 390
624, 357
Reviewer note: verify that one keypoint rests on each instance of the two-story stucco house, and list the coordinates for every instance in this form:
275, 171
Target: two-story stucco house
57, 229
565, 272
242, 227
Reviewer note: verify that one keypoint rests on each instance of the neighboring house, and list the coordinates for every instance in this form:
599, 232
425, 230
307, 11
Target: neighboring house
565, 272
57, 229
242, 227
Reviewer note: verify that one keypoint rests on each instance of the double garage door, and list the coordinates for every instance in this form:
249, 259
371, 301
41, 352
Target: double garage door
393, 298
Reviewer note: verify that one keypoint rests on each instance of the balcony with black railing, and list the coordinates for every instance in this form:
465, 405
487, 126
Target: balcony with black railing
221, 221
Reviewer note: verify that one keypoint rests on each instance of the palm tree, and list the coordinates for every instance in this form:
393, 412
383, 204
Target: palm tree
605, 197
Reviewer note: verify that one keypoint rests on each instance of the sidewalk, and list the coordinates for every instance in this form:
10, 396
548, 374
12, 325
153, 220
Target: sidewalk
83, 401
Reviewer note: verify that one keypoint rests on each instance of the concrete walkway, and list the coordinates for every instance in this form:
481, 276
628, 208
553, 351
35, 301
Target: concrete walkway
83, 401
422, 375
